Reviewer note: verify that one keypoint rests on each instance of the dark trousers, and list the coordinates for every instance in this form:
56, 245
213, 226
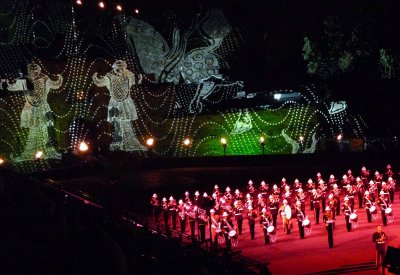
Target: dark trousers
360, 200
338, 208
239, 225
266, 236
380, 254
391, 196
192, 224
274, 218
166, 218
369, 217
384, 220
172, 214
311, 203
301, 229
202, 229
348, 224
156, 214
252, 225
228, 242
323, 204
316, 215
329, 229
182, 225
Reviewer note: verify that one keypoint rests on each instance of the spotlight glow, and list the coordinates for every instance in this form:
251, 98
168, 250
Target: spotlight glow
301, 138
39, 155
186, 142
136, 11
78, 2
119, 8
102, 5
150, 142
223, 141
83, 147
339, 137
2, 161
262, 140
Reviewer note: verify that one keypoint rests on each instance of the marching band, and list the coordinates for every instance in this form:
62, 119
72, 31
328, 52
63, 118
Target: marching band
224, 212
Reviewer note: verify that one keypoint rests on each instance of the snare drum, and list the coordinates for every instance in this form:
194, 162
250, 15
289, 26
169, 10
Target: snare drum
353, 217
271, 229
306, 223
372, 210
232, 233
389, 211
218, 230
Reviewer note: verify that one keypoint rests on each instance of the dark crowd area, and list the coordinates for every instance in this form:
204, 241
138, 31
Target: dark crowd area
44, 230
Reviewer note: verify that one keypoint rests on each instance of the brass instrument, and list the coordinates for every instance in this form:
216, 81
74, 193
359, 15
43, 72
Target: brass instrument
202, 215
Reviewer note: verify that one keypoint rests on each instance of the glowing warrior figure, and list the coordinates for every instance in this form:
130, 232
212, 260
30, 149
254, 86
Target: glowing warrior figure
121, 109
37, 115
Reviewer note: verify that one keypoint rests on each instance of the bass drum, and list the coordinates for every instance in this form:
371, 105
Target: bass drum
271, 230
354, 220
306, 223
288, 212
389, 215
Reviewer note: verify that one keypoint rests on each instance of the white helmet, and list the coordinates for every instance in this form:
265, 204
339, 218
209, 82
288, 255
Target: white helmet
327, 208
275, 186
216, 187
197, 193
390, 178
164, 199
285, 201
366, 193
310, 181
331, 176
212, 211
344, 177
180, 201
263, 183
171, 198
250, 182
318, 174
237, 192
228, 189
205, 195
248, 196
298, 202
299, 190
335, 186
358, 179
283, 179
187, 193
349, 171
296, 181
321, 182
225, 214
381, 193
154, 195
264, 210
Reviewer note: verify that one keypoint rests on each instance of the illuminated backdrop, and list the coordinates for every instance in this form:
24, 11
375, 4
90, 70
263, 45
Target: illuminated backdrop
118, 81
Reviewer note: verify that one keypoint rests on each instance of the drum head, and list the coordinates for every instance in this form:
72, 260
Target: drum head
372, 209
306, 222
288, 212
232, 233
388, 211
270, 229
353, 216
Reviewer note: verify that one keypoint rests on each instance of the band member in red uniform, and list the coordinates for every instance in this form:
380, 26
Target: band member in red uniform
316, 200
155, 205
310, 187
216, 194
322, 189
300, 218
332, 204
251, 216
165, 212
276, 191
215, 227
347, 212
261, 202
263, 190
372, 190
249, 201
332, 181
182, 216
286, 214
192, 214
238, 196
378, 181
360, 191
226, 225
250, 189
349, 193
329, 222
196, 199
283, 184
364, 175
336, 194
287, 195
368, 204
351, 178
238, 212
384, 204
389, 173
265, 222
301, 197
379, 238
172, 208
391, 183
202, 220
187, 199
228, 195
273, 205
297, 185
